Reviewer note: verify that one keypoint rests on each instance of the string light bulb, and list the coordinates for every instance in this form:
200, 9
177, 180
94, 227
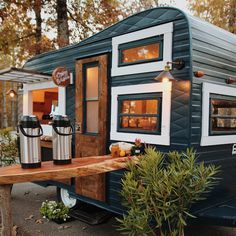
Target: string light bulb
12, 93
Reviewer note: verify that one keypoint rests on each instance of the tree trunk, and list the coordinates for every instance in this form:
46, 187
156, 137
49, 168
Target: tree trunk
232, 16
38, 31
4, 105
62, 23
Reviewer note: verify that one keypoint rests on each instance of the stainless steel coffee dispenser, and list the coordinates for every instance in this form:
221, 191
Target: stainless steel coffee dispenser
30, 131
61, 139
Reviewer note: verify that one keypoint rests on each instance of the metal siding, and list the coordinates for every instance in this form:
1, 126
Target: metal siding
137, 21
213, 51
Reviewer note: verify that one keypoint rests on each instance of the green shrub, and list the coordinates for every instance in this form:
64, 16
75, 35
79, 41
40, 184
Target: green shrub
54, 210
8, 148
159, 190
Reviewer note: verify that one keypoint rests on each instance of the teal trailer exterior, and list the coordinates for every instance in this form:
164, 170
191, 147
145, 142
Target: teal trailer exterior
198, 112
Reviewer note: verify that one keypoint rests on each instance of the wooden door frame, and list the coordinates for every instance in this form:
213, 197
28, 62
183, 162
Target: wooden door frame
79, 97
92, 186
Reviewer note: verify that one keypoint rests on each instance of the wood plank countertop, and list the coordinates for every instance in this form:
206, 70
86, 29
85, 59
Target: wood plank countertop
79, 167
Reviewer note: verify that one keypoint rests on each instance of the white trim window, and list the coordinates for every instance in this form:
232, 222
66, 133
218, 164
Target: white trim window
28, 103
140, 40
162, 136
218, 114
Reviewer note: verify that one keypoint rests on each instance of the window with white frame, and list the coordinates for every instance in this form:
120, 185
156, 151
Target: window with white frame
43, 98
141, 111
218, 115
222, 114
142, 51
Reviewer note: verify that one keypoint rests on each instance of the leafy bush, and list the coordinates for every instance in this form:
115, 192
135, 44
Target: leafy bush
54, 210
8, 148
159, 189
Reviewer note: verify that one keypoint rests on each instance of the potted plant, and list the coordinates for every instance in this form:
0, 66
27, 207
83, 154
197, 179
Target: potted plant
159, 190
55, 211
138, 147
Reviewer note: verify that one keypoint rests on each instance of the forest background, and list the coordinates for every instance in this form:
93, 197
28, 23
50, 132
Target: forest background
31, 27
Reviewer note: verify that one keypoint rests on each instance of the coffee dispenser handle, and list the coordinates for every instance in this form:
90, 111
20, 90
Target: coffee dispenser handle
31, 136
63, 134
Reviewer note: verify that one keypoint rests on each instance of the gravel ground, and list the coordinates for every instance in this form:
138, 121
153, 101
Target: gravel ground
27, 199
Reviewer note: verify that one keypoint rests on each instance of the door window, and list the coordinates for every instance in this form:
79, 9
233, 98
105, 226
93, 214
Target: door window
91, 101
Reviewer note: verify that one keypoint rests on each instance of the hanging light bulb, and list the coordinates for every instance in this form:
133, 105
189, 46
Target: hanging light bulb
165, 75
12, 93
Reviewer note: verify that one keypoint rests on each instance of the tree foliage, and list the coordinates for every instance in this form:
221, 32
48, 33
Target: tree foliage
8, 148
218, 12
30, 27
159, 189
20, 37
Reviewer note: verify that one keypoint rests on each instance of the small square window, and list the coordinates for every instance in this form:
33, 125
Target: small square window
139, 113
141, 51
222, 115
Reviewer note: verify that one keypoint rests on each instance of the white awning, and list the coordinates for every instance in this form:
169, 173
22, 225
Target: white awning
24, 76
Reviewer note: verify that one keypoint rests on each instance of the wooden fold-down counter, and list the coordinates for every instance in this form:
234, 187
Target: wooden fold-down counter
79, 167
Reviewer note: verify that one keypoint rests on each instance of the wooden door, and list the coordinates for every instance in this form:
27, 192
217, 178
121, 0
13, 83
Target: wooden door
91, 115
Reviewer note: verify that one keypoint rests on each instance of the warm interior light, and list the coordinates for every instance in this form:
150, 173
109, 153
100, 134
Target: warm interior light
140, 53
45, 102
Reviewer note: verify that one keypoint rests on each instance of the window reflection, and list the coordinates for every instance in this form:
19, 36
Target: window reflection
223, 115
91, 99
140, 115
147, 52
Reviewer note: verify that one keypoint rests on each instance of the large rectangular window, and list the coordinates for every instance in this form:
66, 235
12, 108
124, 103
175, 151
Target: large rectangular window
141, 51
91, 99
222, 115
139, 113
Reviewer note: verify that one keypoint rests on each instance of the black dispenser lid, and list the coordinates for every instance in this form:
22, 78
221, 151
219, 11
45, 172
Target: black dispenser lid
61, 121
29, 122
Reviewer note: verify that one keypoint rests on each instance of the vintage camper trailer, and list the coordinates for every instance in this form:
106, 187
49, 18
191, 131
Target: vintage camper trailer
113, 96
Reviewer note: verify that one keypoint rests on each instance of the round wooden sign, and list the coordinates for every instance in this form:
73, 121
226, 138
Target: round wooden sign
61, 76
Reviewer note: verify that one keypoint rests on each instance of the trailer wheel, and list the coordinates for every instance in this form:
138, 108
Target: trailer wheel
64, 197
